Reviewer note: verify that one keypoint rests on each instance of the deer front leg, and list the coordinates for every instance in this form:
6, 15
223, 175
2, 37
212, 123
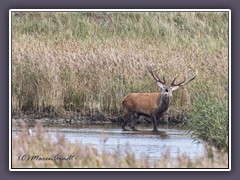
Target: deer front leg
154, 121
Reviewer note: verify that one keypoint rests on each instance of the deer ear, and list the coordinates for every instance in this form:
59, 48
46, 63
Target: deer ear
175, 88
160, 85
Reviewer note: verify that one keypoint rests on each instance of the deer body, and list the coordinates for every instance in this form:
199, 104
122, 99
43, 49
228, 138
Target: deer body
145, 103
149, 104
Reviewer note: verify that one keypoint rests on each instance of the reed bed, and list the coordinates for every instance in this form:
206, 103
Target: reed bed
87, 62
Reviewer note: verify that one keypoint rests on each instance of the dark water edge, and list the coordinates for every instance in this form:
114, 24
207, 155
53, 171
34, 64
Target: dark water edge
80, 121
50, 116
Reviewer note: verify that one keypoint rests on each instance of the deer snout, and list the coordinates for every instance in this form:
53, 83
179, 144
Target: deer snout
166, 92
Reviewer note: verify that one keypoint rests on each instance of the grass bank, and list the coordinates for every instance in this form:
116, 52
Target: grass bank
209, 121
86, 62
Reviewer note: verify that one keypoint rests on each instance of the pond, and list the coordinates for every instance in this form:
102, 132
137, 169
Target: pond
111, 137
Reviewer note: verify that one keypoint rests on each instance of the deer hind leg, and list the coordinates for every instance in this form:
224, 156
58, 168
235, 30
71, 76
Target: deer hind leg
134, 121
126, 119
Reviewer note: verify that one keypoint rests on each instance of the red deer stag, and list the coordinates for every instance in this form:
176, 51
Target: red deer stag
152, 105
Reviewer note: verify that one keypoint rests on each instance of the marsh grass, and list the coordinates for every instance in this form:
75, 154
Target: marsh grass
87, 62
39, 146
209, 115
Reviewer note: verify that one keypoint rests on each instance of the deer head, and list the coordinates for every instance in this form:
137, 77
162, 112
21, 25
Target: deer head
166, 89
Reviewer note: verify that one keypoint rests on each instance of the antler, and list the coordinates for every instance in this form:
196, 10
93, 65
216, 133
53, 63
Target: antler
155, 76
184, 82
172, 84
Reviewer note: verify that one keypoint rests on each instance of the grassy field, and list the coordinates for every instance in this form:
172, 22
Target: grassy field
39, 151
87, 62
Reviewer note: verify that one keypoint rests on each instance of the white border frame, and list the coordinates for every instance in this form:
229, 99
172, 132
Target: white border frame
120, 10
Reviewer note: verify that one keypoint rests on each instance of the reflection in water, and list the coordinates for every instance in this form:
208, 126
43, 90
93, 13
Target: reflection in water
142, 142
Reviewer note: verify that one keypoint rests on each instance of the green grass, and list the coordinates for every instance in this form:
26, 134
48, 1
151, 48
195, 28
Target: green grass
88, 61
209, 121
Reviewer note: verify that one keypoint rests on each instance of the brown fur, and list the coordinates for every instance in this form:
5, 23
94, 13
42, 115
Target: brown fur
145, 103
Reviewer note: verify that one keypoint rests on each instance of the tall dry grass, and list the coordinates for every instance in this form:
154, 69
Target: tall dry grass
56, 64
87, 62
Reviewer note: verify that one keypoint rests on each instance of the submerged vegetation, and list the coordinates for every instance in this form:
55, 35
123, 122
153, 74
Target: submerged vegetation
86, 62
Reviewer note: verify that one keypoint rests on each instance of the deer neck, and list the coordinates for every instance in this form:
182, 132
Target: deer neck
163, 103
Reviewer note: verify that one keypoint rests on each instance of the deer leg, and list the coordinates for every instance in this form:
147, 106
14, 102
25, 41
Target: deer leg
134, 122
154, 121
126, 119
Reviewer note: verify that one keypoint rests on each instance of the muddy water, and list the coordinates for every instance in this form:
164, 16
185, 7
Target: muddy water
142, 142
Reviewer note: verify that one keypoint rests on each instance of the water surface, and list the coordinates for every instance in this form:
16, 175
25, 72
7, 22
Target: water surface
142, 142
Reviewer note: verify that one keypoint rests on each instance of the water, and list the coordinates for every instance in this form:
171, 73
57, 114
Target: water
143, 142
